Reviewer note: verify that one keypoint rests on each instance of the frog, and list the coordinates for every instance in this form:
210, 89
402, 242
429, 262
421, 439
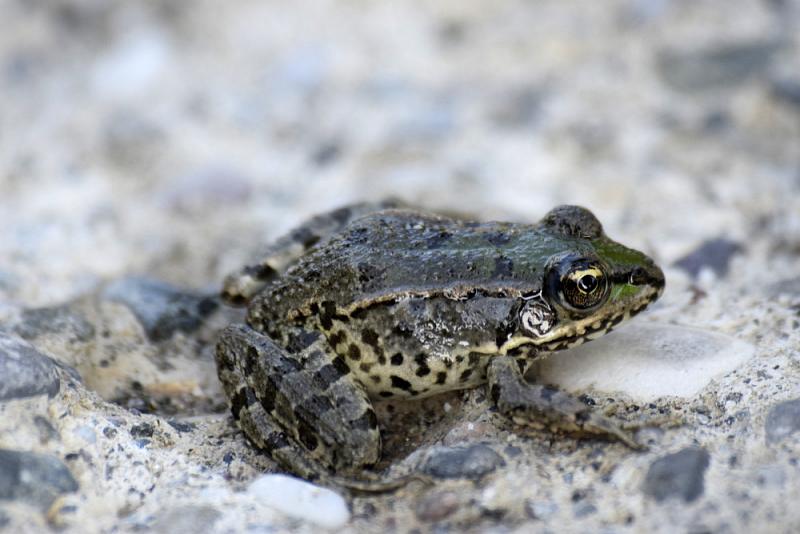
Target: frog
384, 301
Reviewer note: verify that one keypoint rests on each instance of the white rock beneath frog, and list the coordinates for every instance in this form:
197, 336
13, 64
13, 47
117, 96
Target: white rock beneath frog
300, 499
647, 361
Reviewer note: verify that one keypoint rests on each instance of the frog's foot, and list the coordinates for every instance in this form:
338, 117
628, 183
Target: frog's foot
241, 286
541, 406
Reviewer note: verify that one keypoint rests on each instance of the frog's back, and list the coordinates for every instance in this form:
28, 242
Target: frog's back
396, 252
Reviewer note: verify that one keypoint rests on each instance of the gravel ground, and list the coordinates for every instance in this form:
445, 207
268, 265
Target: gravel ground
148, 149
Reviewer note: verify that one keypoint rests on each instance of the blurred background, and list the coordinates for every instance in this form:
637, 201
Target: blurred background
175, 138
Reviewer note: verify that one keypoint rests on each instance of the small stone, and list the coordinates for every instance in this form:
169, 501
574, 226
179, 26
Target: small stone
188, 518
472, 461
584, 509
542, 510
678, 475
302, 500
163, 309
787, 91
143, 430
437, 506
721, 66
33, 478
24, 371
714, 253
182, 426
783, 420
61, 320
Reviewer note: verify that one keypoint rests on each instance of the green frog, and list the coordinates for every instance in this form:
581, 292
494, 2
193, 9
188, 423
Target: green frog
378, 301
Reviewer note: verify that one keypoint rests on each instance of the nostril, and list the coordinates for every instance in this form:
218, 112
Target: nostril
637, 276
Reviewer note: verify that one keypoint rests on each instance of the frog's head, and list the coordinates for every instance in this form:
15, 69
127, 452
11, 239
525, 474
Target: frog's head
590, 283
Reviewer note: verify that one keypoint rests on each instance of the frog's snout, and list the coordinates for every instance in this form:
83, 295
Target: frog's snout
648, 274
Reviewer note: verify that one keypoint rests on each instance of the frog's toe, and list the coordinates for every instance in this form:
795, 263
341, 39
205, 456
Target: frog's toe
593, 423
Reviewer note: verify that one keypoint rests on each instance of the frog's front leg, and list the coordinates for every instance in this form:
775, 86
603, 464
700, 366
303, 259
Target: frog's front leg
544, 406
303, 407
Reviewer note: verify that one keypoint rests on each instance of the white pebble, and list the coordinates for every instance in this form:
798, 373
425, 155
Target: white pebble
300, 499
647, 361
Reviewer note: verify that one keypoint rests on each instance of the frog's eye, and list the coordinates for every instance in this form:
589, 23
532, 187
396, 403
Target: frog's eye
578, 284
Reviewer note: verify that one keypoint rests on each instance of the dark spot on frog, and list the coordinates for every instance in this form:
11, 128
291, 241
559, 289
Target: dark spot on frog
438, 239
341, 365
386, 394
375, 378
336, 339
497, 238
301, 340
441, 377
243, 398
327, 311
306, 435
400, 383
305, 237
503, 267
421, 360
267, 397
365, 367
402, 330
327, 375
318, 404
354, 352
367, 421
262, 271
397, 359
465, 375
370, 337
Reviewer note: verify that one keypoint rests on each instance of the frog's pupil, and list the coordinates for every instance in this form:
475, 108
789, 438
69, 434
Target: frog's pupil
587, 283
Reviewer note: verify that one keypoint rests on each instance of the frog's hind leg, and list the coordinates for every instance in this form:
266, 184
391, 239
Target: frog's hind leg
544, 406
240, 286
309, 395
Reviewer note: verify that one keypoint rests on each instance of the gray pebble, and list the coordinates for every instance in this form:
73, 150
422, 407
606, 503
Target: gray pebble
787, 90
714, 253
62, 320
722, 66
188, 518
24, 371
783, 420
33, 478
678, 475
437, 506
162, 308
472, 462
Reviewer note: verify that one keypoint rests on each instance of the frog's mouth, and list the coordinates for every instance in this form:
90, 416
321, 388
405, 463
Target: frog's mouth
627, 298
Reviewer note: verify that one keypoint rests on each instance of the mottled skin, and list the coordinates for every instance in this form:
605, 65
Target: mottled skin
372, 302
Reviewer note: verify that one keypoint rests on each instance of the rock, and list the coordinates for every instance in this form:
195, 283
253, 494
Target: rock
787, 90
188, 518
33, 478
647, 361
162, 309
472, 461
436, 506
783, 420
542, 510
721, 66
714, 253
24, 371
678, 475
62, 320
302, 500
